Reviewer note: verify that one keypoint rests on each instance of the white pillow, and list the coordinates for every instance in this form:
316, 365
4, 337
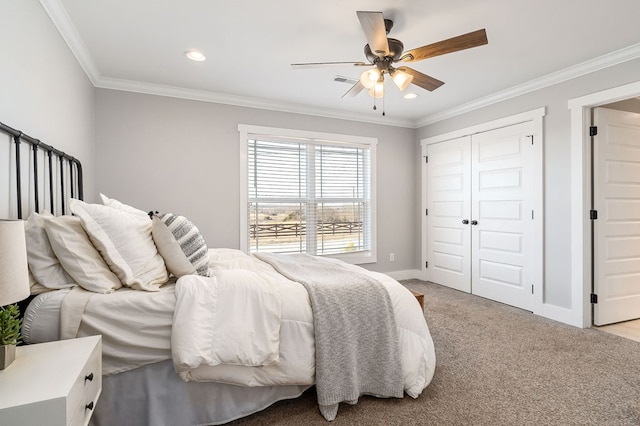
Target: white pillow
124, 240
181, 245
115, 204
78, 256
43, 263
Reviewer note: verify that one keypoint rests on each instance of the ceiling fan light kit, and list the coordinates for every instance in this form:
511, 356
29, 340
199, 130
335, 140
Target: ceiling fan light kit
370, 77
377, 90
401, 79
382, 52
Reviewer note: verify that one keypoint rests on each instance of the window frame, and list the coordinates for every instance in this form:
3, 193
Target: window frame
250, 132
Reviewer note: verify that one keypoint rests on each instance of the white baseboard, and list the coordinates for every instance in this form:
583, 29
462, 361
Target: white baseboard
558, 313
409, 274
553, 312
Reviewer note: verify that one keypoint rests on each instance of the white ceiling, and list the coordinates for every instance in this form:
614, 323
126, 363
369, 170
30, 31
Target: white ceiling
138, 45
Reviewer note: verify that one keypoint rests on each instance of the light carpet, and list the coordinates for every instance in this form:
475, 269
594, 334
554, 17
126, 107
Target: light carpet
498, 365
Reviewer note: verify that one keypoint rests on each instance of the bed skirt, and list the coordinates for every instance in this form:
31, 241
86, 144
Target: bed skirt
155, 395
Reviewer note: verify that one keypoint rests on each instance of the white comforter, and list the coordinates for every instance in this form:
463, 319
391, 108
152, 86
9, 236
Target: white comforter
137, 327
231, 318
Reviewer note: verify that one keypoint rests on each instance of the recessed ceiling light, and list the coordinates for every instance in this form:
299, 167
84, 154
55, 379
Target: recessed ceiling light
195, 55
411, 96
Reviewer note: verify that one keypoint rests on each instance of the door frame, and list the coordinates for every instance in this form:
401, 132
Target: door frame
536, 117
610, 148
580, 313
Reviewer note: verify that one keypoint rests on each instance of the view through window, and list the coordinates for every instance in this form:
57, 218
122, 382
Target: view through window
308, 196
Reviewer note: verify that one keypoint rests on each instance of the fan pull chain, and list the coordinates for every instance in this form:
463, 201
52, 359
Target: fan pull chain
383, 114
374, 98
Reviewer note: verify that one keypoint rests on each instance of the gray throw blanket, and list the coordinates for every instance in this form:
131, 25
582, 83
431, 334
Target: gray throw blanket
357, 346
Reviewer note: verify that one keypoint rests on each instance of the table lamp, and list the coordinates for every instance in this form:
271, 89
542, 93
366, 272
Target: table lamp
14, 284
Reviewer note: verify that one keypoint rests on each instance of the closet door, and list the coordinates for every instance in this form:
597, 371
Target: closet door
449, 207
502, 223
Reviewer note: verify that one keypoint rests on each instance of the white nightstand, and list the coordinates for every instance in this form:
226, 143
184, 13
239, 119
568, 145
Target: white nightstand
55, 383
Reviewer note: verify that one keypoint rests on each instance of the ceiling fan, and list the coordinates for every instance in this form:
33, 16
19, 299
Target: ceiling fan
382, 52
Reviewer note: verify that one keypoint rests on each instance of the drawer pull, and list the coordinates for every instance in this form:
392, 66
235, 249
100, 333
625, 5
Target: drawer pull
89, 377
89, 406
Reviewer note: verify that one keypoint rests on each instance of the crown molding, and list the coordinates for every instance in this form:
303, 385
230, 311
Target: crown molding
70, 35
67, 30
614, 58
205, 96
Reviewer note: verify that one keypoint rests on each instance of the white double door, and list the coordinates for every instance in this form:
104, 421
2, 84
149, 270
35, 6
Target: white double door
616, 197
479, 218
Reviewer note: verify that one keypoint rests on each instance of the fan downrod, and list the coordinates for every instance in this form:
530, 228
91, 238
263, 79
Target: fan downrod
388, 24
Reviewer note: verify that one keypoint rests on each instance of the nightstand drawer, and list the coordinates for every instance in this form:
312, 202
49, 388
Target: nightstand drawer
86, 406
46, 383
86, 389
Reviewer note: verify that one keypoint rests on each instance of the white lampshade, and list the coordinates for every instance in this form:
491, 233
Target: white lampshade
377, 91
14, 272
370, 77
401, 79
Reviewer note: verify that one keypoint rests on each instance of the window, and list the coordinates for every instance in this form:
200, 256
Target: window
307, 192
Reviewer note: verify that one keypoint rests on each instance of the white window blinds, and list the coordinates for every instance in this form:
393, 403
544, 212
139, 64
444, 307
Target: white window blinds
308, 196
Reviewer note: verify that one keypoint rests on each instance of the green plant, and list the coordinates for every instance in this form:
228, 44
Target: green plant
10, 323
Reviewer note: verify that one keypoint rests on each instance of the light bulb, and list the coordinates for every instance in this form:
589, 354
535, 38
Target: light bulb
369, 77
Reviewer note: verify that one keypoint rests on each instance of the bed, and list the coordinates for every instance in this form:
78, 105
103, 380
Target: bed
194, 335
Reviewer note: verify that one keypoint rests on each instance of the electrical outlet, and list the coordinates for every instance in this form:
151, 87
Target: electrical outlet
392, 257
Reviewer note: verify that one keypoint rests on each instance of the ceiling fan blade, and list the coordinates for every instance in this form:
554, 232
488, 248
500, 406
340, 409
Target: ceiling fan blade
328, 64
419, 79
465, 41
354, 91
373, 26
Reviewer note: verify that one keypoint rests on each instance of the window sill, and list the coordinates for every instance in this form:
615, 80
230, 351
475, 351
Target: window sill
359, 258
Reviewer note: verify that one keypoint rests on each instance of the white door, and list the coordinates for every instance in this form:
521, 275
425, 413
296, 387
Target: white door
448, 205
479, 223
617, 229
502, 214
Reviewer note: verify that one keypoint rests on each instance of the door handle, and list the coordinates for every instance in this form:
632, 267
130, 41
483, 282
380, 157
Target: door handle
474, 222
465, 221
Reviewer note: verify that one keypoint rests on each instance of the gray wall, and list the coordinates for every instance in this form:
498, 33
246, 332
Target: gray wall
557, 160
182, 156
43, 90
629, 105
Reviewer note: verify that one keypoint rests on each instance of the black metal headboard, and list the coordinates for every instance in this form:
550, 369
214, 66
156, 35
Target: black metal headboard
61, 177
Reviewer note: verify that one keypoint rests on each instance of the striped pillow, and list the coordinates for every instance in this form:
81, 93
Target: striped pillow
180, 244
